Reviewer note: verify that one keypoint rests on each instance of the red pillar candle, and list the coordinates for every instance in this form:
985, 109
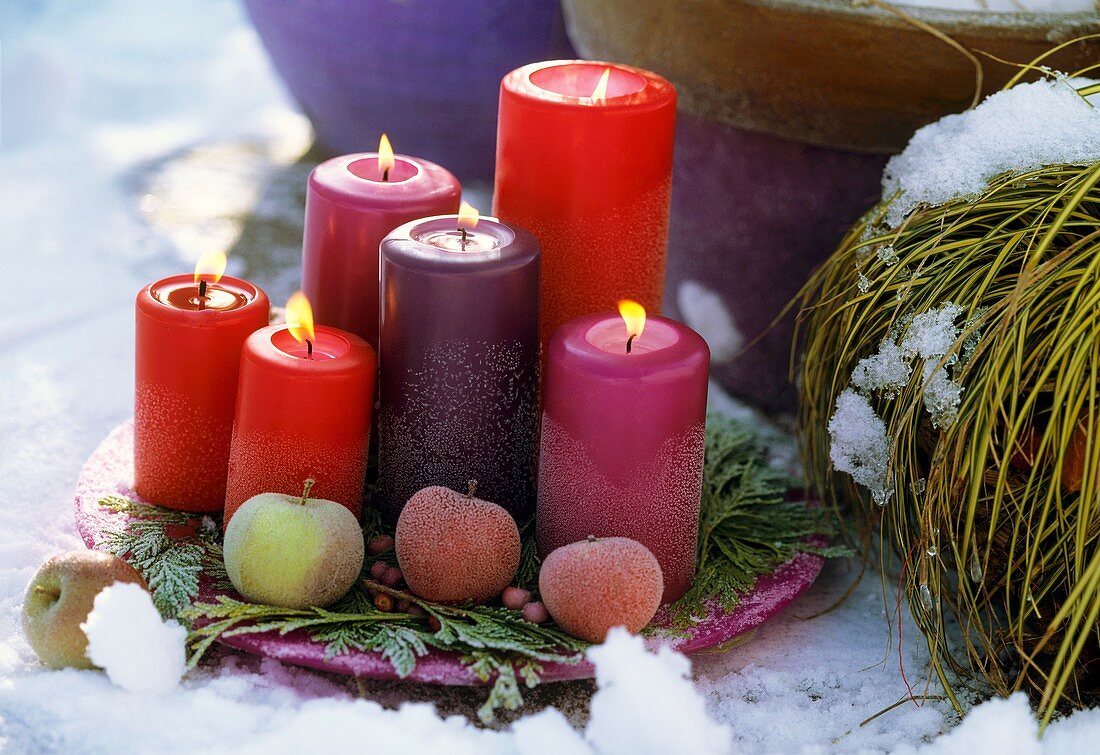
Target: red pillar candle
590, 177
187, 352
352, 202
303, 411
622, 439
460, 361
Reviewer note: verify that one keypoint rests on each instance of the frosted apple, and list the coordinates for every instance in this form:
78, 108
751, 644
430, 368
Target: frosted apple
454, 547
293, 551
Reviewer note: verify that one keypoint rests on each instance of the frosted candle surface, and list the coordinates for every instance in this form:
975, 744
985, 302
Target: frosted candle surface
621, 451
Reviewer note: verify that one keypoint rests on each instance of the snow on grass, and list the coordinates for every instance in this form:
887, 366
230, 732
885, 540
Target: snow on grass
859, 445
1031, 125
130, 641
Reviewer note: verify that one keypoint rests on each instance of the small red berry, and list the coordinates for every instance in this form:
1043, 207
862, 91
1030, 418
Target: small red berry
535, 613
392, 576
515, 598
378, 568
380, 544
383, 602
434, 624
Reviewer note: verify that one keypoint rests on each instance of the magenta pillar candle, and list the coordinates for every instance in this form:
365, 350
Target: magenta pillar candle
459, 356
622, 439
349, 210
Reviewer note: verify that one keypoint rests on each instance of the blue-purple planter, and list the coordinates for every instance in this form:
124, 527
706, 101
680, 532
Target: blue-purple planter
426, 72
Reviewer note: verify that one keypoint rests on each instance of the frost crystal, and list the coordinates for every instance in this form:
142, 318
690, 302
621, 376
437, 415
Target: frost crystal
888, 254
941, 395
859, 444
863, 283
933, 333
887, 370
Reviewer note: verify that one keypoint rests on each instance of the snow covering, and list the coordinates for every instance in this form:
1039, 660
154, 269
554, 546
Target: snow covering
1042, 123
667, 714
128, 639
859, 444
136, 135
1007, 6
704, 311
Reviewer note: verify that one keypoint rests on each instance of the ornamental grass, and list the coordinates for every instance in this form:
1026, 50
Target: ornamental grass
987, 482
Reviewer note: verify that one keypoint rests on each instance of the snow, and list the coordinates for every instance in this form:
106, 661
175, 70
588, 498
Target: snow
135, 136
859, 445
666, 713
1007, 6
1030, 125
704, 312
127, 638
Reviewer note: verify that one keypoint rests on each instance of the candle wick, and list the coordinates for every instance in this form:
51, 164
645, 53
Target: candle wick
386, 174
309, 349
630, 342
202, 294
463, 242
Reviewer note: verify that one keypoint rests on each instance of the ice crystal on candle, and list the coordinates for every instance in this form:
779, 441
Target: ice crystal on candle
464, 393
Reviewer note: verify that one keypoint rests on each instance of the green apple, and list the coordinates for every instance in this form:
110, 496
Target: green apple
59, 599
293, 551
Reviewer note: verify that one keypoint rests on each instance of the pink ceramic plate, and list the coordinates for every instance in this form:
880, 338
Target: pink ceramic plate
110, 471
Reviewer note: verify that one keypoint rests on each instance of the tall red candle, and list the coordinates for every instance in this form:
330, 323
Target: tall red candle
622, 439
187, 352
303, 411
590, 177
352, 202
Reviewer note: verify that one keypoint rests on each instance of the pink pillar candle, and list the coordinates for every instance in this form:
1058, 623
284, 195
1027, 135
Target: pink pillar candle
622, 439
349, 210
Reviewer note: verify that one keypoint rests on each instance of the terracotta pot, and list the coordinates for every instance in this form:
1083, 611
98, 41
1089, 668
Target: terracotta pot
788, 110
824, 72
427, 72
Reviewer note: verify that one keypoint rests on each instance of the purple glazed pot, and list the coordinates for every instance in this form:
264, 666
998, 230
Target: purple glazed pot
426, 72
752, 216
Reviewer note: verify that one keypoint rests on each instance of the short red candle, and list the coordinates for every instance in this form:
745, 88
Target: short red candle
590, 179
349, 210
185, 376
622, 443
301, 416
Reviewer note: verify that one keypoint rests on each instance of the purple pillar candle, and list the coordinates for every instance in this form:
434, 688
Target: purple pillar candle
459, 356
624, 411
352, 202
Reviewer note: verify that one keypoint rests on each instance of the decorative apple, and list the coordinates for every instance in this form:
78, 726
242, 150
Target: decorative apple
595, 584
454, 547
293, 552
59, 599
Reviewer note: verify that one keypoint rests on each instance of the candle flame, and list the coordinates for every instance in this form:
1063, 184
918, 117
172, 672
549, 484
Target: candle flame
467, 216
385, 155
599, 94
634, 316
299, 318
210, 267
